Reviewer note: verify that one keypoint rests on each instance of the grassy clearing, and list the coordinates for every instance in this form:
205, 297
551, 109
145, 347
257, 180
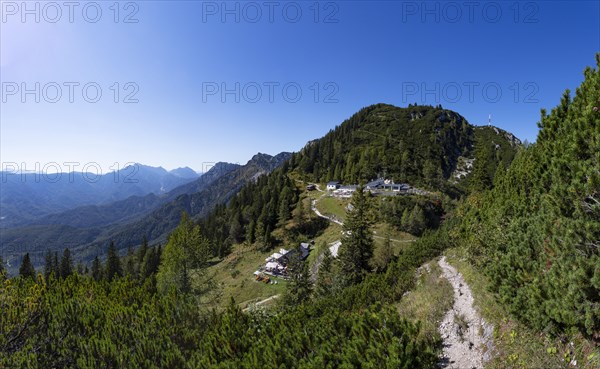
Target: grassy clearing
232, 277
429, 301
331, 234
333, 206
315, 195
517, 346
399, 240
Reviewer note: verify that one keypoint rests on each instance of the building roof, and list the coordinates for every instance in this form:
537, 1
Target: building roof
333, 183
274, 256
396, 185
375, 183
271, 265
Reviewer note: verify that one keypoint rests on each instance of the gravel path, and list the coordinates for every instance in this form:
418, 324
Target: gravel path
261, 302
463, 330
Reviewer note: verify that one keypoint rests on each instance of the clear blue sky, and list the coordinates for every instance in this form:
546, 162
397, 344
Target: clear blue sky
345, 55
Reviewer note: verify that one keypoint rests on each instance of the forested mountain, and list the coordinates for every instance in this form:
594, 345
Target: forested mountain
25, 197
159, 223
537, 232
420, 145
369, 145
87, 230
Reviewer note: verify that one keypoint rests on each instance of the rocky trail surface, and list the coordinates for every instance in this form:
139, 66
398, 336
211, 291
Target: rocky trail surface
467, 337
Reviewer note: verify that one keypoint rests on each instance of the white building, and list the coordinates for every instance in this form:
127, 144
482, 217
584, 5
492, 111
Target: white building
333, 185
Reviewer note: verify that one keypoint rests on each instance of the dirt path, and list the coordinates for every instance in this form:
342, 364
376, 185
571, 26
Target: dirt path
313, 206
464, 332
261, 302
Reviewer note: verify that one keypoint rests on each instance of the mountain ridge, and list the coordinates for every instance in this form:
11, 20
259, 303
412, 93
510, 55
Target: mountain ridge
26, 197
224, 179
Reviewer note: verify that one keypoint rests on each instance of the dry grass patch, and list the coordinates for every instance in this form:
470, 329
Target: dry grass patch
429, 301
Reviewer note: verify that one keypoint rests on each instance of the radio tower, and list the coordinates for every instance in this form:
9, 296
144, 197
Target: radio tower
489, 120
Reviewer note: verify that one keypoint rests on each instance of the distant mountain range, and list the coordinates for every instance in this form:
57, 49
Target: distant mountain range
131, 207
26, 197
87, 230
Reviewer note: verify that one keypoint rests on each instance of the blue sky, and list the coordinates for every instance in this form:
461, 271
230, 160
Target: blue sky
299, 68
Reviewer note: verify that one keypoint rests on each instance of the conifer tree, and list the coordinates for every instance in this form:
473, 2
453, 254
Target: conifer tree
537, 234
384, 254
142, 251
2, 269
66, 264
26, 270
417, 220
357, 243
49, 267
236, 231
151, 262
185, 257
130, 263
251, 232
480, 178
299, 286
405, 220
96, 269
300, 214
56, 265
324, 285
113, 263
284, 210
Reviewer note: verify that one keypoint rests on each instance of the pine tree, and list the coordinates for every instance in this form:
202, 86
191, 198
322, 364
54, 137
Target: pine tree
417, 220
300, 214
151, 262
113, 263
267, 239
26, 270
185, 257
148, 267
284, 210
431, 172
96, 269
480, 178
324, 283
56, 265
384, 254
236, 231
142, 251
49, 267
130, 263
2, 269
405, 220
66, 264
251, 232
536, 233
299, 286
357, 242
